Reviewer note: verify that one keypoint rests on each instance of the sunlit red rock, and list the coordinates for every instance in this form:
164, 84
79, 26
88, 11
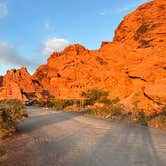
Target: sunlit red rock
157, 91
16, 84
20, 77
145, 27
125, 67
132, 67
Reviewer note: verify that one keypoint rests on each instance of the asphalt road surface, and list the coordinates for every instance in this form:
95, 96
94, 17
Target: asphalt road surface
69, 139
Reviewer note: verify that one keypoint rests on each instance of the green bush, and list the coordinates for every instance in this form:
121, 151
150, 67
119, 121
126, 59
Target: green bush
96, 95
10, 113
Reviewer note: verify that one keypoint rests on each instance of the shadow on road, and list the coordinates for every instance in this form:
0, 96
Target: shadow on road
36, 122
71, 139
127, 144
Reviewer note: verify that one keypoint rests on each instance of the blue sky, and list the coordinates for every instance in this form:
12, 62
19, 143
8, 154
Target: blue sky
31, 29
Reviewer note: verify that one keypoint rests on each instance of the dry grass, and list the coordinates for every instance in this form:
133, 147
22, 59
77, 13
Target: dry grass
11, 111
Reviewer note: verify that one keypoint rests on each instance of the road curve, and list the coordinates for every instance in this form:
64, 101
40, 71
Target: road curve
68, 139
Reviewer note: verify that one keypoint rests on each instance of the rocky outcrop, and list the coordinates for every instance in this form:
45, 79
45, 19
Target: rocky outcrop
132, 67
126, 67
21, 77
145, 27
18, 84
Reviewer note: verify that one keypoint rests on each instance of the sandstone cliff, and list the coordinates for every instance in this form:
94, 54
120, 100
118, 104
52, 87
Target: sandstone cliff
145, 27
132, 67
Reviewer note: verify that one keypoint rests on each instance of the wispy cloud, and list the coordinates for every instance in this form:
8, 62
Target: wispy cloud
10, 56
3, 10
54, 44
131, 6
48, 27
106, 12
126, 8
123, 8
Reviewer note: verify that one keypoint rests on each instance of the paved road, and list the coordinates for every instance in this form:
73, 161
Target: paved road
67, 139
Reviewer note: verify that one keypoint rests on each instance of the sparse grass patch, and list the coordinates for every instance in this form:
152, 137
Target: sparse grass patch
137, 115
112, 111
158, 122
60, 104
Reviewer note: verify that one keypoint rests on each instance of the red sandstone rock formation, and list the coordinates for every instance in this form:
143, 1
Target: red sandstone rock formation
17, 84
145, 27
132, 67
129, 67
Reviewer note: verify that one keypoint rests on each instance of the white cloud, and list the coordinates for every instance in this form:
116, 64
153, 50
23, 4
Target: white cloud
3, 10
54, 44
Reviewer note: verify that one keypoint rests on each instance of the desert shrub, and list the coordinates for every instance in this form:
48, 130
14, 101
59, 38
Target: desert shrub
106, 111
115, 101
115, 111
103, 111
10, 113
137, 115
41, 102
60, 104
158, 122
163, 112
96, 95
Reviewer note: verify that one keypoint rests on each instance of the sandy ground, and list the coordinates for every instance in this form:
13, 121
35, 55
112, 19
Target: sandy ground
69, 139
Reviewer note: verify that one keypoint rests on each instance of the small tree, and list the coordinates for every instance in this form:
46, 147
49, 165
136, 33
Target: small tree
96, 95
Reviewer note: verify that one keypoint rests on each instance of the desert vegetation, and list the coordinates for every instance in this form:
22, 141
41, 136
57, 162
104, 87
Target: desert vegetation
11, 112
97, 103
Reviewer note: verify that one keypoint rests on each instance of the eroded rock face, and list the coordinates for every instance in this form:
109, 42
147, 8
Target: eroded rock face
77, 69
157, 91
16, 84
126, 67
132, 67
21, 77
145, 27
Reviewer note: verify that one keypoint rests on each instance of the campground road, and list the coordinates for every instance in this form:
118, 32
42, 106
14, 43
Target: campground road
50, 138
